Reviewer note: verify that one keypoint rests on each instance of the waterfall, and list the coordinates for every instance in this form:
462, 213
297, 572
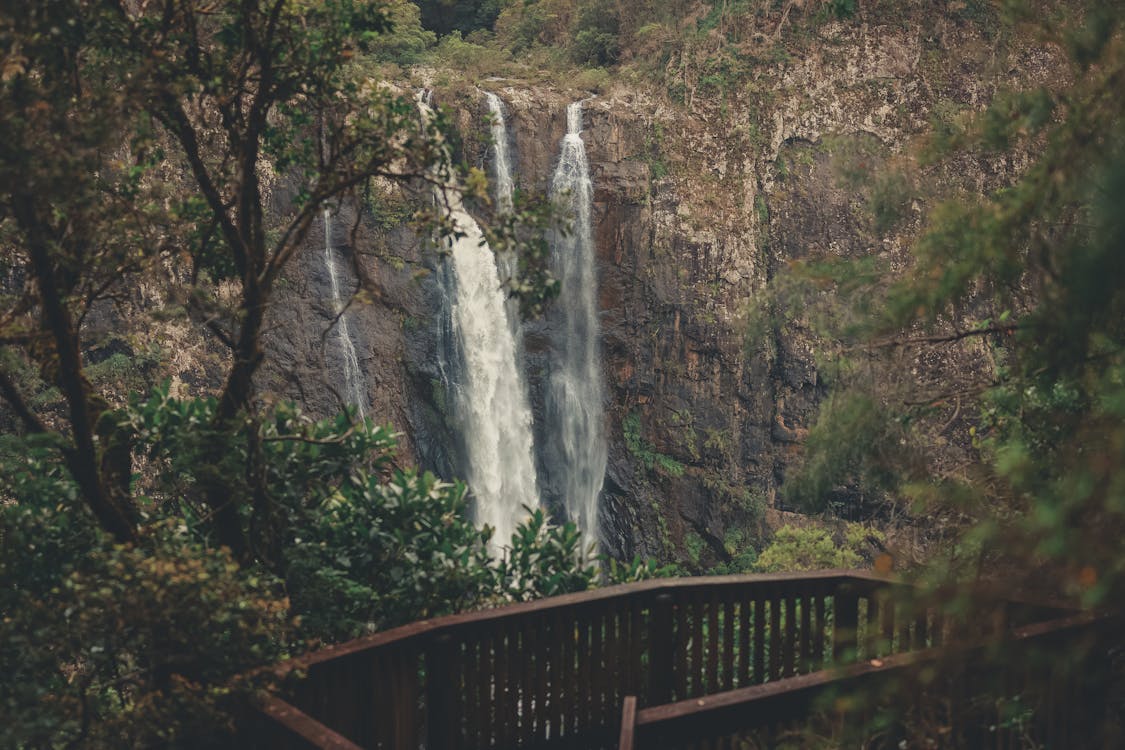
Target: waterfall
353, 378
505, 199
505, 187
575, 393
490, 399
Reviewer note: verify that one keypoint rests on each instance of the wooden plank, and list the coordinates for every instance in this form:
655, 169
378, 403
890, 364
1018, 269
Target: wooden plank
471, 692
695, 670
727, 662
442, 690
502, 686
563, 675
871, 628
711, 679
585, 657
746, 656
820, 636
661, 681
902, 622
597, 666
775, 637
759, 638
530, 706
887, 624
611, 704
538, 714
845, 610
404, 697
638, 644
789, 649
806, 603
628, 723
682, 636
488, 688
529, 654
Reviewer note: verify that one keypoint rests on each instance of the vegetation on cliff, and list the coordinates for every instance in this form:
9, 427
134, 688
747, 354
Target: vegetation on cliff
1025, 283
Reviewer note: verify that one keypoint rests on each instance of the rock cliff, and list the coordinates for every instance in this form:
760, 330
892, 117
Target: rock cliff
701, 197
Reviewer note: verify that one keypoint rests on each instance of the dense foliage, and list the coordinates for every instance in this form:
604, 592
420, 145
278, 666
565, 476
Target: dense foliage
153, 547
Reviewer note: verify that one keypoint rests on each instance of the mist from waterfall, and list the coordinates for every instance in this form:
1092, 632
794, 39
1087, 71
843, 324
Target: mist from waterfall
353, 378
490, 400
575, 394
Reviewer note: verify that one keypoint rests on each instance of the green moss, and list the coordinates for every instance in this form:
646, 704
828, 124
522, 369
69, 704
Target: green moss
644, 450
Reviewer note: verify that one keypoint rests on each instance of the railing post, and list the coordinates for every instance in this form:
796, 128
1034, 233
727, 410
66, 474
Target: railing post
660, 648
440, 721
626, 737
846, 624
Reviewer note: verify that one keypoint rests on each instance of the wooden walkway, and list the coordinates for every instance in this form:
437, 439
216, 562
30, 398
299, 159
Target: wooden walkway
667, 663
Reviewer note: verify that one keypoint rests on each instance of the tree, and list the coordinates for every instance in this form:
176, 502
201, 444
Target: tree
96, 99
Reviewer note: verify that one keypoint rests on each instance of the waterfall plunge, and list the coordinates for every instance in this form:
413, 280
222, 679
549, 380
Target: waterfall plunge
353, 378
575, 395
491, 399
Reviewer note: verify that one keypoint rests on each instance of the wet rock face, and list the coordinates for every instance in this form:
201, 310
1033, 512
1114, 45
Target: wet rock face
395, 319
696, 207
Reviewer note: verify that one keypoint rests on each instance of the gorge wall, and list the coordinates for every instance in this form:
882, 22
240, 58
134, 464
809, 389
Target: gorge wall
701, 196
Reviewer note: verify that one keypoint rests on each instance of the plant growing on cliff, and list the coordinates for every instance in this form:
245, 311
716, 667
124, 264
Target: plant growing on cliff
644, 451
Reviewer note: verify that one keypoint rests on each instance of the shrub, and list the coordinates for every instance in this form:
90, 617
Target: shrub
795, 549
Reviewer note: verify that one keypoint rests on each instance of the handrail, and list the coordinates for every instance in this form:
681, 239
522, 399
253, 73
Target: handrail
433, 626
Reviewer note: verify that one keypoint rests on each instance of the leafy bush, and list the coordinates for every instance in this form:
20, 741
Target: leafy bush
127, 646
795, 549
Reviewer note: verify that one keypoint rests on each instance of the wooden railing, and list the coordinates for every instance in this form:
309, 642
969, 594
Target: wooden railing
1019, 692
556, 672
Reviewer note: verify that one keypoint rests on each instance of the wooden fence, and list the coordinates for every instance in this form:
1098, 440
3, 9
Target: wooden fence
556, 672
1015, 693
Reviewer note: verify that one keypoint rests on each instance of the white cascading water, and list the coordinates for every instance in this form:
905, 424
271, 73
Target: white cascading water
505, 186
353, 378
576, 393
491, 402
505, 199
